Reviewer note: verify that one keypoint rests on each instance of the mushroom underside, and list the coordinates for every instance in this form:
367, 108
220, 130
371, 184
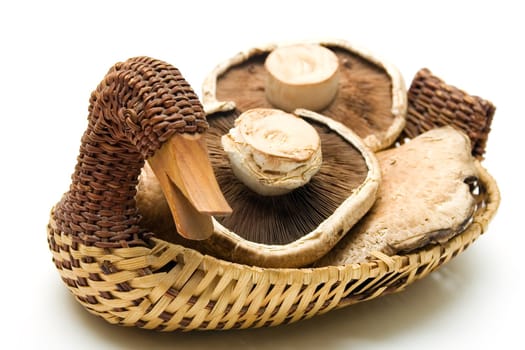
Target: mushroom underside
285, 218
363, 102
267, 219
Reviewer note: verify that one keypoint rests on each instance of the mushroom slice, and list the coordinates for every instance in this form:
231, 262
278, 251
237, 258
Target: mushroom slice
425, 197
288, 230
332, 77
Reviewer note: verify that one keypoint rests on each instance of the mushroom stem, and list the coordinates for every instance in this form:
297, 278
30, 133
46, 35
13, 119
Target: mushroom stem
302, 76
273, 152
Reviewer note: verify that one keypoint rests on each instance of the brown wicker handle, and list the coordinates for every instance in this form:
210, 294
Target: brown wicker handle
433, 103
138, 106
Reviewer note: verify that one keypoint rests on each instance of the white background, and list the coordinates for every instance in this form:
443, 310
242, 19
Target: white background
53, 55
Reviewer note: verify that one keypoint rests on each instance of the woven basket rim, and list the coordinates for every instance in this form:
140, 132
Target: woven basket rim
479, 224
394, 261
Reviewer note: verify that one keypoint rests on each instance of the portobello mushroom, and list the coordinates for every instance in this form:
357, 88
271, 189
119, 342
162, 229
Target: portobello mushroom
426, 197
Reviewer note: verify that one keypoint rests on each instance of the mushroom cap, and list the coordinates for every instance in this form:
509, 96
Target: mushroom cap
371, 99
425, 197
316, 216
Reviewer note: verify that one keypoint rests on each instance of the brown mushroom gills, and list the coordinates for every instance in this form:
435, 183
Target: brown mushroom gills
283, 219
277, 219
363, 101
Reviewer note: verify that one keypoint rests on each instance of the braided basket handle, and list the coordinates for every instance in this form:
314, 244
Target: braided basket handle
433, 103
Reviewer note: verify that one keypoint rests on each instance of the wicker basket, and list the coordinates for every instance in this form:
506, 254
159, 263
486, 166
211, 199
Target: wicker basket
164, 286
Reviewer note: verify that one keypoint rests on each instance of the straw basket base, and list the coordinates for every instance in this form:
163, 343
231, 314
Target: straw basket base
169, 287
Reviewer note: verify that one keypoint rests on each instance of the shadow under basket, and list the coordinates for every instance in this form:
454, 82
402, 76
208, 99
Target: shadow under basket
169, 287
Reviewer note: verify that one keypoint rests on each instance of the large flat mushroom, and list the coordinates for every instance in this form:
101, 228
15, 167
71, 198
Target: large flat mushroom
332, 77
426, 197
289, 229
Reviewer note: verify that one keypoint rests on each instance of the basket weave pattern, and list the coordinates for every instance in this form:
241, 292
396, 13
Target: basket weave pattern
434, 103
154, 284
140, 104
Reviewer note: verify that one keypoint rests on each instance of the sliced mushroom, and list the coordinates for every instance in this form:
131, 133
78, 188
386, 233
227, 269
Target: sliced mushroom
425, 197
289, 230
370, 96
